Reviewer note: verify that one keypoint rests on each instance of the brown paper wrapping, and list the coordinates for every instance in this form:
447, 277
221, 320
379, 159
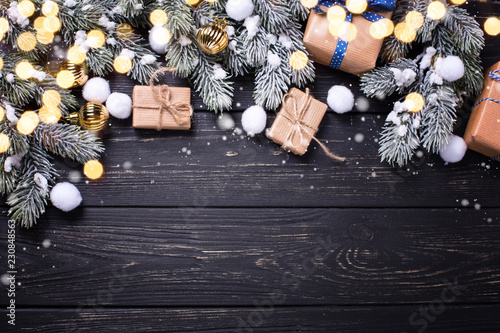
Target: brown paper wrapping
146, 109
362, 52
280, 130
483, 130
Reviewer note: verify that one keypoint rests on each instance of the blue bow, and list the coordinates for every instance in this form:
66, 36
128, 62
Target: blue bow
379, 5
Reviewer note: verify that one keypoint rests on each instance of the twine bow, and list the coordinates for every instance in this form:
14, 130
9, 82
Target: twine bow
181, 111
341, 48
295, 115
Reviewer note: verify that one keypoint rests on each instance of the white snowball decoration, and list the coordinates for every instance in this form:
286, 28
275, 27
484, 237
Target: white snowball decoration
119, 105
254, 120
452, 68
454, 150
158, 39
65, 196
96, 90
239, 10
340, 99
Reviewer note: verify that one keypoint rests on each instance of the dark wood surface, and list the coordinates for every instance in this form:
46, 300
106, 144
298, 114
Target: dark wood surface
239, 236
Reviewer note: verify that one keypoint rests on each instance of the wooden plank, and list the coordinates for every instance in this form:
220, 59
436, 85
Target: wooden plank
202, 257
450, 318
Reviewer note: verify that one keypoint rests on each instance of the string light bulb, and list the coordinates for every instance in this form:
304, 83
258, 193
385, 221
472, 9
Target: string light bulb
309, 3
96, 38
49, 114
27, 123
4, 25
158, 17
93, 169
51, 97
4, 143
298, 60
24, 70
26, 41
50, 8
414, 102
436, 10
65, 79
122, 64
492, 26
26, 8
2, 113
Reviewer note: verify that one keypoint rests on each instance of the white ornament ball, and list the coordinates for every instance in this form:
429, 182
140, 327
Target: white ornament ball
239, 10
454, 150
96, 90
452, 68
65, 196
340, 99
158, 39
119, 105
254, 120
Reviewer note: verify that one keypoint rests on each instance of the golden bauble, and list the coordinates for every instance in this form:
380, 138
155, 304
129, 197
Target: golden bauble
212, 38
194, 3
80, 72
92, 117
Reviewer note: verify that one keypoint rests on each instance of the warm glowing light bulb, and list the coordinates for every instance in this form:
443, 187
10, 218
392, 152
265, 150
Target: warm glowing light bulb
65, 79
158, 17
161, 35
93, 169
1, 63
458, 2
49, 114
50, 8
26, 8
309, 3
404, 33
298, 60
27, 123
96, 38
45, 37
492, 26
122, 64
52, 24
346, 31
336, 15
414, 102
26, 41
39, 24
24, 70
51, 97
4, 143
4, 25
76, 55
381, 29
2, 113
124, 30
356, 6
414, 20
436, 10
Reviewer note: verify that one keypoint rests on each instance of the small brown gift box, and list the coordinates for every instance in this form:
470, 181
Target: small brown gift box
297, 121
362, 52
149, 113
483, 129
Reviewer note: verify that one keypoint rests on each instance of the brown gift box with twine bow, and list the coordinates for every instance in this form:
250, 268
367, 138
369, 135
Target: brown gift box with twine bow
297, 122
161, 107
483, 129
361, 53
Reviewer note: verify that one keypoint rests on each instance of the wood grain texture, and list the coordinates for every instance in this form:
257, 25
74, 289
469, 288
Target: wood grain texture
195, 257
453, 319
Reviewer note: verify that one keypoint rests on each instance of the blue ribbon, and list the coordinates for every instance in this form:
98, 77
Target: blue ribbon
379, 5
494, 76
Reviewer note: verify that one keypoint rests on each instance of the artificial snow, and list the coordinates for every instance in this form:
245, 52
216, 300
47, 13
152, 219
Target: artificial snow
273, 59
127, 54
230, 31
239, 10
65, 196
252, 23
12, 161
454, 151
285, 41
427, 58
219, 72
96, 90
254, 120
225, 122
452, 68
119, 105
184, 40
10, 113
159, 45
41, 181
340, 99
148, 59
403, 78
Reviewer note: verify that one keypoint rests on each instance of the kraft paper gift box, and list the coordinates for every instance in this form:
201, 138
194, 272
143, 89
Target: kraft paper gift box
357, 56
149, 113
483, 130
297, 122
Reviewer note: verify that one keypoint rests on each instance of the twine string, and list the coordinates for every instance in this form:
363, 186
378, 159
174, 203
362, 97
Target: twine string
295, 115
181, 111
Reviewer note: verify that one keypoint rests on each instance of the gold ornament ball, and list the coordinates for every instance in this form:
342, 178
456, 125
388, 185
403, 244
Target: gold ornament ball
194, 3
80, 72
212, 38
92, 117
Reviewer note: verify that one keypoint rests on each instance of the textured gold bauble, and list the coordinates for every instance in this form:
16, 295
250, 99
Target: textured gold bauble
80, 72
194, 3
91, 117
212, 38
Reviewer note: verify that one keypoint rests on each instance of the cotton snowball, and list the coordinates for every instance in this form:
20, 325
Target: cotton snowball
96, 90
158, 39
340, 99
65, 196
254, 120
119, 105
454, 150
452, 68
239, 10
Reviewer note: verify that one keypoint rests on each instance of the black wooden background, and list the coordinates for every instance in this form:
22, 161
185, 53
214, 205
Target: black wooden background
208, 231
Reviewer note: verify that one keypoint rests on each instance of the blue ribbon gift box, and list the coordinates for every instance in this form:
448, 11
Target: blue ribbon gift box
483, 130
352, 49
